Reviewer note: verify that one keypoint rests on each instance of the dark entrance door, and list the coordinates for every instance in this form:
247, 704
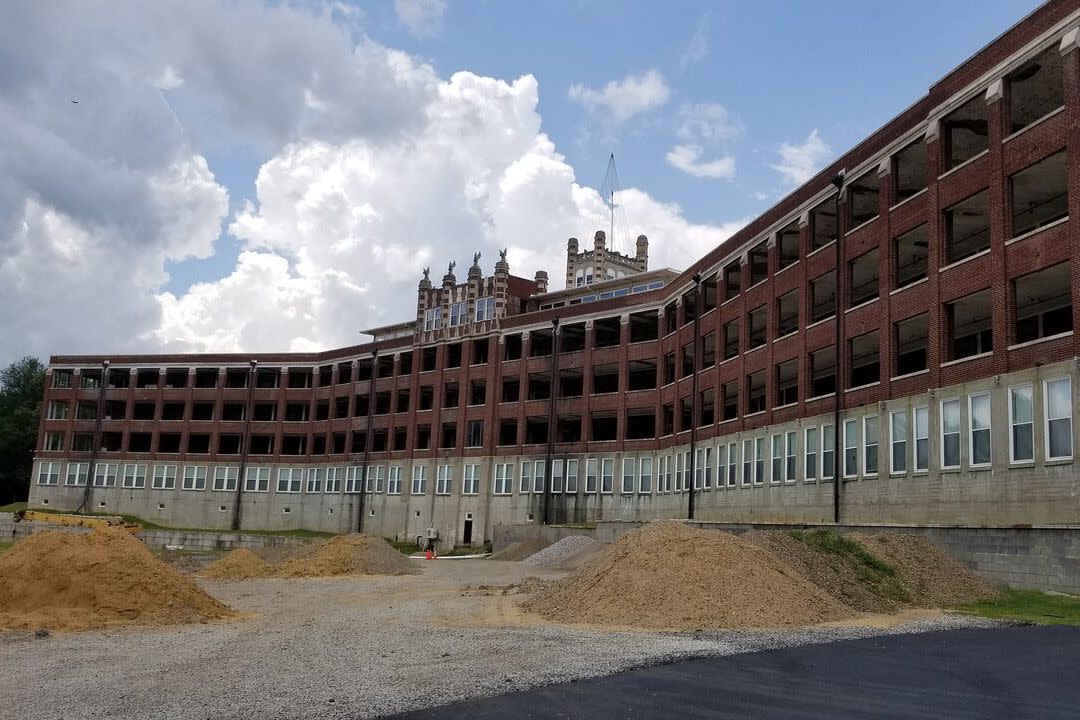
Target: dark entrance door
466, 534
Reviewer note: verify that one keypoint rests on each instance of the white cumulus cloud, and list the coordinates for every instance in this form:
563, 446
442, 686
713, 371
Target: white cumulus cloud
422, 18
620, 100
697, 48
688, 159
799, 161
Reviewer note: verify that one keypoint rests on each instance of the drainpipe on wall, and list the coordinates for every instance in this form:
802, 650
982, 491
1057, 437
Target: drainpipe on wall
245, 443
694, 396
367, 438
551, 416
838, 183
92, 468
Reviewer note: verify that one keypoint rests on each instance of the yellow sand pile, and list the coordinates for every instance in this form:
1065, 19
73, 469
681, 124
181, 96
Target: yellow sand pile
238, 564
669, 576
69, 581
347, 555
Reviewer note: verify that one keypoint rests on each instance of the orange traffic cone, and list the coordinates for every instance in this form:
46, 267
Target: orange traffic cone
428, 554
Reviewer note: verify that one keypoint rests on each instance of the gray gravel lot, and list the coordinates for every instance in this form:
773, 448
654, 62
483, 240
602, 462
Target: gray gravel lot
346, 648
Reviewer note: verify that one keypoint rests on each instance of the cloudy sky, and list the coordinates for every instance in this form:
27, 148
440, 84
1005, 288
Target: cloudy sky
227, 176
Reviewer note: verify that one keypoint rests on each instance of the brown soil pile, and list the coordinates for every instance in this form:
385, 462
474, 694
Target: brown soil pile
931, 576
672, 577
238, 564
347, 555
520, 550
841, 576
69, 581
525, 586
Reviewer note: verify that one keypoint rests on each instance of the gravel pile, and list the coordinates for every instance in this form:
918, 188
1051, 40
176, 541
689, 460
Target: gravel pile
564, 551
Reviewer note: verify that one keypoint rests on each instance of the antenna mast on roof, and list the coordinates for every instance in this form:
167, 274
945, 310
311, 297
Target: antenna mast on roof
617, 241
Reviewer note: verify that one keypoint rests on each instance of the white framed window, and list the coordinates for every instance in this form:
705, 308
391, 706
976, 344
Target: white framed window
419, 480
921, 449
702, 471
686, 479
444, 479
459, 313
733, 463
485, 308
504, 478
571, 476
256, 479
645, 464
539, 471
851, 448
759, 460
871, 442
333, 480
354, 475
373, 479
950, 434
721, 465
165, 477
777, 459
433, 318
393, 482
898, 440
470, 484
557, 475
1021, 424
289, 480
225, 478
661, 470
979, 430
678, 472
1058, 406
790, 460
629, 475
77, 473
194, 477
315, 477
607, 475
58, 410
105, 474
49, 473
747, 462
54, 442
810, 454
591, 465
828, 452
525, 484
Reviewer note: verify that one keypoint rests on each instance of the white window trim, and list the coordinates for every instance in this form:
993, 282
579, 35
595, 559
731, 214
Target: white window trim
645, 482
915, 469
606, 463
1012, 424
893, 441
941, 434
817, 454
1047, 419
863, 444
971, 430
843, 458
791, 455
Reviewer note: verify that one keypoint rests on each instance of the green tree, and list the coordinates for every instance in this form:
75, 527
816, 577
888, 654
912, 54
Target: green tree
22, 385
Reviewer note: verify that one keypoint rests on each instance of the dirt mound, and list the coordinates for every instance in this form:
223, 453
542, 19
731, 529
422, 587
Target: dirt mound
238, 564
567, 554
76, 581
838, 565
669, 576
931, 576
520, 550
347, 555
525, 586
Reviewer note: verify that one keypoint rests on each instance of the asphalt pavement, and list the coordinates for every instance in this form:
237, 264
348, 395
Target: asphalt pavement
1008, 673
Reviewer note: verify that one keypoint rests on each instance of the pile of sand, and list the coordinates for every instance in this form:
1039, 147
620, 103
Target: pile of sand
347, 555
669, 576
569, 553
75, 581
520, 550
932, 577
238, 564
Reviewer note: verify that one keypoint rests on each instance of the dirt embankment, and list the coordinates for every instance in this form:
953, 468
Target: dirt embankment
68, 581
347, 555
238, 564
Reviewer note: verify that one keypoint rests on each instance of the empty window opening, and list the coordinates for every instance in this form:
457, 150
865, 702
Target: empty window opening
300, 378
121, 378
511, 390
365, 369
644, 326
708, 294
731, 339
400, 438
453, 355
758, 259
341, 407
117, 410
787, 243
967, 227
1035, 89
512, 347
536, 430
1043, 303
322, 409
477, 392
689, 305
607, 331
864, 355
379, 440
385, 366
293, 444
167, 442
169, 411
358, 441
229, 444
568, 429
87, 410
143, 411
296, 412
787, 313
910, 169
428, 359
823, 372
965, 132
571, 383
706, 407
1039, 194
968, 324
176, 378
605, 426
474, 433
423, 437
787, 382
823, 296
669, 368
708, 350
671, 312
642, 375
755, 392
605, 379
508, 431
401, 404
480, 350
640, 424
382, 402
326, 375
667, 419
686, 360
756, 327
204, 378
732, 280
318, 445
450, 395
361, 406
200, 411
540, 343
910, 252
149, 378
863, 278
427, 397
729, 395
863, 198
344, 372
84, 442
539, 386
198, 444
823, 225
686, 414
268, 378
91, 379
912, 338
113, 441
572, 338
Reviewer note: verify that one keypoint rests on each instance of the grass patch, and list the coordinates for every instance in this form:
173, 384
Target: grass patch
4, 545
869, 570
1028, 605
13, 507
405, 547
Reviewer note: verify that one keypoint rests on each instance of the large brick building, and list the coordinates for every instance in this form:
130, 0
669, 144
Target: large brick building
905, 317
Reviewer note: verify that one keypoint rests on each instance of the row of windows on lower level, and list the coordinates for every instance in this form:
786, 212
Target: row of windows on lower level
745, 461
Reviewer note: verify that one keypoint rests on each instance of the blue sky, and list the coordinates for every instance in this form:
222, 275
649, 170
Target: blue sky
395, 134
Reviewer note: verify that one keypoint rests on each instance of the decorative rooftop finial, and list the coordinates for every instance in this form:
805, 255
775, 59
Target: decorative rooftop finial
502, 254
476, 258
450, 269
427, 271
